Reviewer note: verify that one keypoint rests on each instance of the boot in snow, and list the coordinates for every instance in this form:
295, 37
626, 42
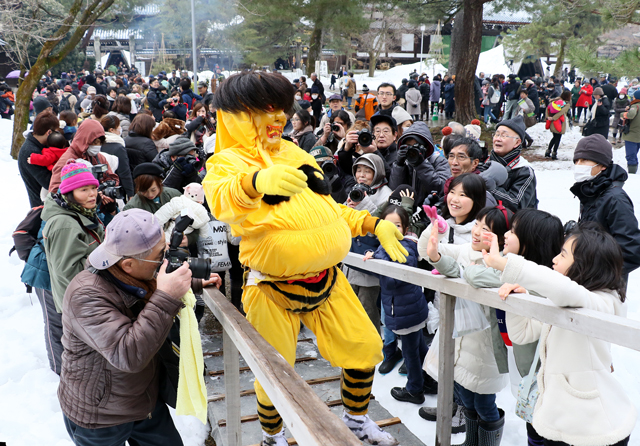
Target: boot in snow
633, 168
471, 428
367, 430
274, 440
490, 433
457, 420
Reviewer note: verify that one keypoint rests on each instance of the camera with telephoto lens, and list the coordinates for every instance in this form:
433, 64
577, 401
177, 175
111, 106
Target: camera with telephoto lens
200, 268
329, 169
416, 154
358, 192
365, 138
108, 188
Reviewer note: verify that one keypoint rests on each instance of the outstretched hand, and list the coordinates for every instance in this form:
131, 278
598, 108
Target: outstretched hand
509, 288
390, 237
436, 220
432, 247
493, 259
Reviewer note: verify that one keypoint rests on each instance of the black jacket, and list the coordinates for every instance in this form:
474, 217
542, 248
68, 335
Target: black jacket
123, 171
174, 176
153, 98
429, 176
532, 91
601, 118
34, 177
140, 149
610, 92
307, 141
402, 89
519, 191
604, 201
425, 91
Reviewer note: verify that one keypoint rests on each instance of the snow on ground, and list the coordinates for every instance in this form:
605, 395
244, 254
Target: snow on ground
29, 410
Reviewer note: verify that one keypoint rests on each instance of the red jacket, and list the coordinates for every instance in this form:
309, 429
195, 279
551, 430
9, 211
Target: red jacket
48, 158
585, 99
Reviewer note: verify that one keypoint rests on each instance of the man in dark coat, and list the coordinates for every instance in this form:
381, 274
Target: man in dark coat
600, 121
610, 89
402, 89
35, 177
532, 92
154, 96
427, 172
425, 91
602, 198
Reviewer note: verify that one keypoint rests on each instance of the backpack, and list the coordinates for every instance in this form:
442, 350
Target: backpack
26, 234
495, 98
64, 103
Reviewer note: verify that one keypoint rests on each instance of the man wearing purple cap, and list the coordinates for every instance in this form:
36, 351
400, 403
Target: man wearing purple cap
116, 317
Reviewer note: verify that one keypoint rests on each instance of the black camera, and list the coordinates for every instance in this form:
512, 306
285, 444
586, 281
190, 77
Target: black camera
200, 268
416, 154
109, 189
365, 138
335, 128
329, 169
358, 192
98, 171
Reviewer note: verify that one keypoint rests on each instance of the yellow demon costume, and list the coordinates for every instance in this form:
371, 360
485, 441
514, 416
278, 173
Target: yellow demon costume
292, 249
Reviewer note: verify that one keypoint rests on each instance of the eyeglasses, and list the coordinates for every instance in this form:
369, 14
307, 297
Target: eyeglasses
382, 132
149, 261
504, 135
385, 93
461, 157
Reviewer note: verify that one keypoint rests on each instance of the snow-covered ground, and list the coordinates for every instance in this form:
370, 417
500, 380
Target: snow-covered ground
29, 410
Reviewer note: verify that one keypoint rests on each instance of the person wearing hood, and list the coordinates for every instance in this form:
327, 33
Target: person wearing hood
114, 145
86, 145
72, 231
599, 122
620, 105
180, 164
434, 94
632, 139
414, 98
368, 171
403, 120
421, 167
519, 191
598, 186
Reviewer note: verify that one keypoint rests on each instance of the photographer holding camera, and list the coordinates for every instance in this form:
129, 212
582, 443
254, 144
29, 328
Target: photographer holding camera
117, 315
334, 131
180, 164
417, 164
175, 104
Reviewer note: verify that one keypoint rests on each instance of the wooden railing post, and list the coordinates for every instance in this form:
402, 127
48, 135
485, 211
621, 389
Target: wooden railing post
232, 390
446, 347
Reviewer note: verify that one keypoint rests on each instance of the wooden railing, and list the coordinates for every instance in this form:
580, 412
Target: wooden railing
614, 329
310, 420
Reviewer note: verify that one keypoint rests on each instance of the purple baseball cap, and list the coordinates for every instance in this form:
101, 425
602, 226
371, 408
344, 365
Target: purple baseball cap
130, 233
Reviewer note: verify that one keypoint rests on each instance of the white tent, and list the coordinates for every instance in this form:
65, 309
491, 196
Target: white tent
493, 62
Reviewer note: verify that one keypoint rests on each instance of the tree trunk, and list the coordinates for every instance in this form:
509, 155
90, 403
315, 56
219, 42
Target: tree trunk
315, 48
373, 60
23, 99
468, 50
560, 59
457, 34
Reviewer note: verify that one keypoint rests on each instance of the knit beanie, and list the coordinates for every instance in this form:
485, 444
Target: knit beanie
473, 131
181, 146
68, 88
40, 104
74, 176
594, 148
599, 91
516, 124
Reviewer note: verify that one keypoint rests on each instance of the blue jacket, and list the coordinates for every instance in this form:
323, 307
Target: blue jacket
36, 272
404, 304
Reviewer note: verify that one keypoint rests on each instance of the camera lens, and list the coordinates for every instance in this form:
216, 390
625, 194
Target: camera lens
335, 127
356, 195
365, 138
329, 169
200, 268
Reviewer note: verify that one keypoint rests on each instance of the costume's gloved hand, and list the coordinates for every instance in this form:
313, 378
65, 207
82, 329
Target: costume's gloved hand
432, 213
280, 180
390, 237
402, 155
185, 166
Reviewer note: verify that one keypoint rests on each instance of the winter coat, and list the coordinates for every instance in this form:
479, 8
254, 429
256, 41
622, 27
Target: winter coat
401, 91
36, 271
610, 92
556, 116
174, 176
425, 91
140, 202
449, 92
604, 201
154, 96
188, 97
428, 176
35, 177
88, 132
414, 98
535, 98
634, 126
48, 158
475, 365
575, 95
600, 118
351, 88
620, 106
124, 122
519, 191
365, 106
580, 401
140, 149
434, 94
512, 90
68, 239
124, 172
111, 337
585, 99
404, 303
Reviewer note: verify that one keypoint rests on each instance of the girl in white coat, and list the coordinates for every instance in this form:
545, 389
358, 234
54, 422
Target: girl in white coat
580, 402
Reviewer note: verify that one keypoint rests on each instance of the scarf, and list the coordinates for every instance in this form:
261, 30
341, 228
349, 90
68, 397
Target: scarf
112, 137
148, 285
510, 159
296, 133
64, 203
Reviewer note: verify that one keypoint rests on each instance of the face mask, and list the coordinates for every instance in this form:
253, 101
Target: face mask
621, 96
298, 97
314, 96
93, 150
582, 173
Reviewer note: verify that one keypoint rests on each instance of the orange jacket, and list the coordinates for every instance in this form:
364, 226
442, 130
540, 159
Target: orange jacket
369, 103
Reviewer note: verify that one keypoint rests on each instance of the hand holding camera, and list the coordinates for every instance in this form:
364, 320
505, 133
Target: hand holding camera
175, 283
187, 164
358, 192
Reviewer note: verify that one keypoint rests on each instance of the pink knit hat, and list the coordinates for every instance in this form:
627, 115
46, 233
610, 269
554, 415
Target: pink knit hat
75, 175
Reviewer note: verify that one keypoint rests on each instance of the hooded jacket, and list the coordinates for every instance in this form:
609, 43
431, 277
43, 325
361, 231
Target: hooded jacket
604, 201
519, 191
427, 177
114, 145
585, 99
434, 94
414, 98
88, 132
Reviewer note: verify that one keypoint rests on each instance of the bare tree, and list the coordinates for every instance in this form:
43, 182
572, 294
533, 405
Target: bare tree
58, 27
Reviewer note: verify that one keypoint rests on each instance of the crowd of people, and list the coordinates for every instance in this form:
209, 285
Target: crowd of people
113, 161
